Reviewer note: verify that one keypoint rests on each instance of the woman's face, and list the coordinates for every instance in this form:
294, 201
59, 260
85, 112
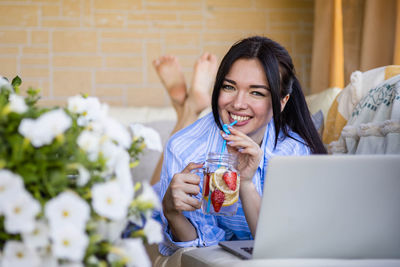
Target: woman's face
245, 97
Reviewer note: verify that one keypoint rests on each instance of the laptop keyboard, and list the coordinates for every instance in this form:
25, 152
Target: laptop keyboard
248, 249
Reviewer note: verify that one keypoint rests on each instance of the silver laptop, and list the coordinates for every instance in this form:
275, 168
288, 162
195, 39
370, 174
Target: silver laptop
345, 207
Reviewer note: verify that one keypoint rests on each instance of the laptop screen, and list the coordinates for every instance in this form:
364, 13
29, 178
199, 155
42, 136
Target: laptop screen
330, 207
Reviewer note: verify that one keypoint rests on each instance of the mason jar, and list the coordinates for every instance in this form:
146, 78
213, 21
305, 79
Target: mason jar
221, 181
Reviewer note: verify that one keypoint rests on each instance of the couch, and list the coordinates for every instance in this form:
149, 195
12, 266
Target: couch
333, 107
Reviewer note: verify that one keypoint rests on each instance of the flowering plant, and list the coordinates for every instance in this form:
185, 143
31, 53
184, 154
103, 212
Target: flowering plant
66, 191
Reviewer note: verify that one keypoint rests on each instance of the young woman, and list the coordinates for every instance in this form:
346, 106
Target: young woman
256, 86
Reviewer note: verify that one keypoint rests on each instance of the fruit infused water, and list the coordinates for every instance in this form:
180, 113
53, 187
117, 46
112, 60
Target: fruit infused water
221, 183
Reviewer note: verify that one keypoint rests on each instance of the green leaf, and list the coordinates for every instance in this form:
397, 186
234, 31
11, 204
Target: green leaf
16, 81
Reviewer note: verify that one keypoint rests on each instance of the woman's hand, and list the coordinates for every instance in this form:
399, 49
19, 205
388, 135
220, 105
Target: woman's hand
248, 152
180, 192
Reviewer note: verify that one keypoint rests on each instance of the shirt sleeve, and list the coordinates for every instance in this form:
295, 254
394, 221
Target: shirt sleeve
208, 232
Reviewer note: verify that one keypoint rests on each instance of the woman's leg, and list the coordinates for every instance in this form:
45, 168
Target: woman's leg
170, 73
205, 69
188, 105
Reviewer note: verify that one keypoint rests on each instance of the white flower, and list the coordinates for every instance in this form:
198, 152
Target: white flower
148, 195
135, 252
48, 259
5, 84
16, 254
44, 129
90, 143
153, 231
112, 154
77, 104
69, 242
117, 162
117, 132
90, 109
17, 103
111, 230
67, 209
123, 174
151, 137
39, 237
10, 184
20, 210
83, 176
109, 201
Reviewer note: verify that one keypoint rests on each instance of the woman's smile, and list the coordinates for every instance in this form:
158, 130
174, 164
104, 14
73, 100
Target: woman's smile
241, 119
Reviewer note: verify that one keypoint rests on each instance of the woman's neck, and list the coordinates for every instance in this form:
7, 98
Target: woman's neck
258, 135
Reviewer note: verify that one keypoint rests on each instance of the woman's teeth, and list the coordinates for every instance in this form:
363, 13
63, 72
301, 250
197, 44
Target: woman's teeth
240, 118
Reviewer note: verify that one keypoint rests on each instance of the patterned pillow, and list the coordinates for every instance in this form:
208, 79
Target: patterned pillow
374, 124
359, 86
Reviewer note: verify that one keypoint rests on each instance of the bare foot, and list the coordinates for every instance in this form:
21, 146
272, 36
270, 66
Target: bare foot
205, 69
171, 75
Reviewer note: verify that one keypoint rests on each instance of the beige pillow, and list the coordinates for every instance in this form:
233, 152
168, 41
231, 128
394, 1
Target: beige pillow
322, 101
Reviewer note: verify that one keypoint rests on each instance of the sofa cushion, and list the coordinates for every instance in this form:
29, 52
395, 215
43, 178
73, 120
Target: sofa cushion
374, 125
322, 101
359, 86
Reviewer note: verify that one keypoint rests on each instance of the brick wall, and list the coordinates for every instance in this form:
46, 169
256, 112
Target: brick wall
105, 47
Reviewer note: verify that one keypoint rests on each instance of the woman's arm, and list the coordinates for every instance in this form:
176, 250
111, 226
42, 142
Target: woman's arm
251, 202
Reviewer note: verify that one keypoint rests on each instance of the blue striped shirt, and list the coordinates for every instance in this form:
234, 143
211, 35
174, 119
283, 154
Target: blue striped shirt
192, 144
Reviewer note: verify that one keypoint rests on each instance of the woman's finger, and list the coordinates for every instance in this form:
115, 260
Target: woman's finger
235, 137
192, 166
191, 189
182, 201
193, 202
190, 178
183, 206
241, 144
249, 151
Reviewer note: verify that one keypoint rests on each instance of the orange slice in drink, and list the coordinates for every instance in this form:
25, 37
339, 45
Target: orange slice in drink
217, 182
230, 199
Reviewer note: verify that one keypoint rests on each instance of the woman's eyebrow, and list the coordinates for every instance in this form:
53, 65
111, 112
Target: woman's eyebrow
251, 86
229, 81
259, 86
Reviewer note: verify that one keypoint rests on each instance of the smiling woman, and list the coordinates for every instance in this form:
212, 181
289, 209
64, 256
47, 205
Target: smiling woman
257, 63
257, 87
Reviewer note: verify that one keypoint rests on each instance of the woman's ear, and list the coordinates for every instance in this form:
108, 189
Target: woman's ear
284, 100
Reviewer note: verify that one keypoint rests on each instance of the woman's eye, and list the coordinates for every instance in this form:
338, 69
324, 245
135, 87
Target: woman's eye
256, 93
227, 87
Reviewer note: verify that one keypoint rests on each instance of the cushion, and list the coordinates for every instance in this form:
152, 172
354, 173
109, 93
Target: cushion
359, 86
374, 124
128, 115
318, 120
322, 101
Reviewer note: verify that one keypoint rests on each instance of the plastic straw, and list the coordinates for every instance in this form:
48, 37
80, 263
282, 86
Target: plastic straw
226, 130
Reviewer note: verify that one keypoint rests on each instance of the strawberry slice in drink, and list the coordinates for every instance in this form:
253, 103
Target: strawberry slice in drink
206, 184
230, 179
217, 199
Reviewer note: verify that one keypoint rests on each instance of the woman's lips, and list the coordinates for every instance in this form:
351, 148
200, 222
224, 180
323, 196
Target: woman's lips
241, 120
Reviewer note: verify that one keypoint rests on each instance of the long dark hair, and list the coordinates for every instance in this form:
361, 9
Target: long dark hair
282, 81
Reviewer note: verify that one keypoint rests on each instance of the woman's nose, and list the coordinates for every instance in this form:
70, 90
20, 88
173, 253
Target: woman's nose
239, 102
